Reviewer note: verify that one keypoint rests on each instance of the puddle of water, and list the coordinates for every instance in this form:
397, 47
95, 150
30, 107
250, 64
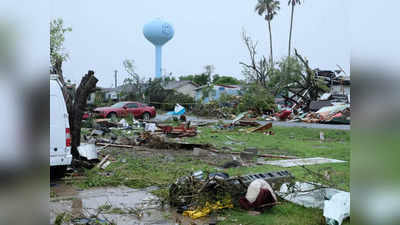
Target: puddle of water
87, 202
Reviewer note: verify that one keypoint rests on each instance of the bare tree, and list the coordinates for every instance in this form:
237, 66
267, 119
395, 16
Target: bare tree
129, 66
258, 69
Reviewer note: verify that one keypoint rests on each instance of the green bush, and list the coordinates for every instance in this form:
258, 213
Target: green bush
174, 98
257, 99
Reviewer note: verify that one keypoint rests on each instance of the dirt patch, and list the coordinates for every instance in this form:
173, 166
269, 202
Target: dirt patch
122, 205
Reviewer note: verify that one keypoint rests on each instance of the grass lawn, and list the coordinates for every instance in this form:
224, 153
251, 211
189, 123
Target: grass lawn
159, 169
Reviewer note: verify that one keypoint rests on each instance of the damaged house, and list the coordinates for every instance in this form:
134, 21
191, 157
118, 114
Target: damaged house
186, 87
207, 93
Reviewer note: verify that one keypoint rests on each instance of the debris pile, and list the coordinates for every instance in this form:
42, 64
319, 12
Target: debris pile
333, 114
200, 193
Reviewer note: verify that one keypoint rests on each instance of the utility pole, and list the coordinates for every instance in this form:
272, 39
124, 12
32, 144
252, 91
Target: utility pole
115, 71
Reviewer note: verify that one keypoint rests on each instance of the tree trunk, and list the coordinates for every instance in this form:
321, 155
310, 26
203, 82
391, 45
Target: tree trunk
291, 27
270, 42
76, 106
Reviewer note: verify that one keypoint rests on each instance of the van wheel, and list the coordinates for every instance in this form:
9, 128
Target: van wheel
57, 171
112, 115
146, 116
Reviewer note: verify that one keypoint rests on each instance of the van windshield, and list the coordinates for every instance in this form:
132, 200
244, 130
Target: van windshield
118, 105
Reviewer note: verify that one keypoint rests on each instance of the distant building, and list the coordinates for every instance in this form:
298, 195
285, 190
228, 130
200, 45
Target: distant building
120, 92
216, 92
341, 85
111, 93
185, 87
91, 98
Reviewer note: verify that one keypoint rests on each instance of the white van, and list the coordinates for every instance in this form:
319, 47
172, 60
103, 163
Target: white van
60, 138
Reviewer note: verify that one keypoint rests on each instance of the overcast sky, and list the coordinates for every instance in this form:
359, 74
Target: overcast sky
104, 33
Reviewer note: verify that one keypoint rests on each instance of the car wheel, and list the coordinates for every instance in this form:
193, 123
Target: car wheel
146, 116
112, 115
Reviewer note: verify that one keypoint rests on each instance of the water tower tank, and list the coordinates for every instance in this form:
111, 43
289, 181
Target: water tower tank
158, 32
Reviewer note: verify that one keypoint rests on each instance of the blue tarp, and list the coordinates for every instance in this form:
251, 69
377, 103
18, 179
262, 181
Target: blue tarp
179, 110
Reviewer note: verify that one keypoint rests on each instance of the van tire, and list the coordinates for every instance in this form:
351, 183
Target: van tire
112, 115
57, 171
146, 116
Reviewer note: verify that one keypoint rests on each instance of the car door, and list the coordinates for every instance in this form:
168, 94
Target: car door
133, 109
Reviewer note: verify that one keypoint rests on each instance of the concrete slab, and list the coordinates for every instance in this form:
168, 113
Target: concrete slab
301, 162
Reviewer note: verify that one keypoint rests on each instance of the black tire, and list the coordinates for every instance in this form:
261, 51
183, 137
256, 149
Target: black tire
146, 116
57, 172
112, 115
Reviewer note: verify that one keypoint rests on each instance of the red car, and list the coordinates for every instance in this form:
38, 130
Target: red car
122, 109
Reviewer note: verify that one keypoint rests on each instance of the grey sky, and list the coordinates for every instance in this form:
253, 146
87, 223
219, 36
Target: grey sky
206, 32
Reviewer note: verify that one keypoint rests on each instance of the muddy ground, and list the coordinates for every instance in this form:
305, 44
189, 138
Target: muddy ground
124, 205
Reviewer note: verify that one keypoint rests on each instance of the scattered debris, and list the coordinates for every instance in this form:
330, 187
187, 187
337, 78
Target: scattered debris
207, 209
259, 193
123, 123
200, 193
183, 130
105, 123
104, 165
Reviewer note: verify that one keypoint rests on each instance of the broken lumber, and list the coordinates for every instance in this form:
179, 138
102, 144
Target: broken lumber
261, 128
103, 161
115, 145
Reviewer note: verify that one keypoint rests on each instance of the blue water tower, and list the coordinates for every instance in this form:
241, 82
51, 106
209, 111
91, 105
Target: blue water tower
158, 32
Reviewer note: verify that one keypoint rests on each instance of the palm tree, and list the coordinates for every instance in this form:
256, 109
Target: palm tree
270, 9
293, 2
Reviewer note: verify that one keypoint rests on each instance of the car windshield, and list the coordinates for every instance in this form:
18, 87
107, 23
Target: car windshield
118, 105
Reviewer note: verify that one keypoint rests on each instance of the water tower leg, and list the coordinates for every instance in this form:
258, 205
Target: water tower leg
158, 61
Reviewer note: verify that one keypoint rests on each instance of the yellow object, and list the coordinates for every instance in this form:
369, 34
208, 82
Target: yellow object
194, 214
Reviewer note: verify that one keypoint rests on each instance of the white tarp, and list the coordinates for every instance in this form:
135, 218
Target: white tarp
306, 195
335, 203
337, 208
88, 151
301, 162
